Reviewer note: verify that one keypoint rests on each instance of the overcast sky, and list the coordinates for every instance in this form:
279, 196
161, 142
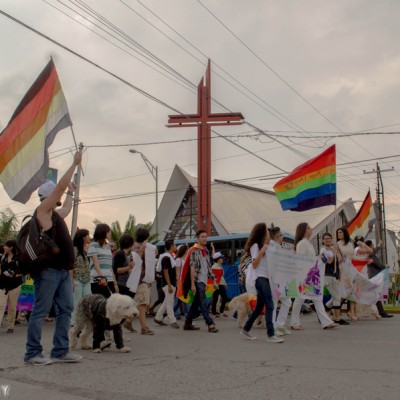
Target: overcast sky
318, 68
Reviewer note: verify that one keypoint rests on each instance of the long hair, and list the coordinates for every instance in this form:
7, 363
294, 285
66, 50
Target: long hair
78, 242
100, 233
346, 235
12, 244
300, 233
257, 235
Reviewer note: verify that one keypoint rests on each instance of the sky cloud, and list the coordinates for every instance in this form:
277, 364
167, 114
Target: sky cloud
342, 57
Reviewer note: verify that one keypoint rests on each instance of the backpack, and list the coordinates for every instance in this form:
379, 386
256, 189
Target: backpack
35, 246
246, 260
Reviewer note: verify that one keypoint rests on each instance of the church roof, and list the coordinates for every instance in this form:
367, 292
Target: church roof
236, 208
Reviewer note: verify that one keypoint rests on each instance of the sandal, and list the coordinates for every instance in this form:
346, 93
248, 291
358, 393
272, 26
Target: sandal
297, 328
331, 326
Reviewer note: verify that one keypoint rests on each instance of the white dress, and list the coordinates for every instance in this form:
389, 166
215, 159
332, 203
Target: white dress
306, 248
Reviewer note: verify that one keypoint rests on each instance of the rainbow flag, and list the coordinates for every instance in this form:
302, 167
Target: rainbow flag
311, 185
24, 143
359, 224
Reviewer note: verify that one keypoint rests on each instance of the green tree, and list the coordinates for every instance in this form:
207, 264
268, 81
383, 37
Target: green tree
130, 229
8, 225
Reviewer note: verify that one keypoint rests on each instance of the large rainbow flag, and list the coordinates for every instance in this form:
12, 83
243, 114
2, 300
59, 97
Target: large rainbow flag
24, 143
311, 185
359, 224
183, 291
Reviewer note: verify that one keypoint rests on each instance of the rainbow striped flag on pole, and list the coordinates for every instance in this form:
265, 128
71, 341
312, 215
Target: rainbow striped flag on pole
24, 143
311, 185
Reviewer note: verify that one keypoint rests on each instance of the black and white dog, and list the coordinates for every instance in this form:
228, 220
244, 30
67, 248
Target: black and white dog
96, 314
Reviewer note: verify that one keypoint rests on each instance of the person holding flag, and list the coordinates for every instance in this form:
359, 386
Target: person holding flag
195, 273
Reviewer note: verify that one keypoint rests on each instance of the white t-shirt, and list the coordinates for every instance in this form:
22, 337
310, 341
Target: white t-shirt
262, 269
305, 248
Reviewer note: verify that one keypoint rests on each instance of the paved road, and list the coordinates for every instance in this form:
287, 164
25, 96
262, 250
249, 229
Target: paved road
352, 362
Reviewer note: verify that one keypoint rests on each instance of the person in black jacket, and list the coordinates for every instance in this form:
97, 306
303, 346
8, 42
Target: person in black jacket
10, 283
374, 268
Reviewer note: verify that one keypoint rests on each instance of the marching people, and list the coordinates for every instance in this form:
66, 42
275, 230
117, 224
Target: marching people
102, 276
53, 282
302, 245
169, 279
142, 295
179, 306
344, 249
122, 267
257, 245
198, 262
221, 291
286, 302
10, 283
81, 273
332, 274
363, 252
374, 268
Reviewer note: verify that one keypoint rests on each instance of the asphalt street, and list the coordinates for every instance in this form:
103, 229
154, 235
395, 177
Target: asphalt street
351, 362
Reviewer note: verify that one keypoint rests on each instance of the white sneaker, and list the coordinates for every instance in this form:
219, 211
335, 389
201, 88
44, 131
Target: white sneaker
282, 331
274, 339
247, 334
68, 358
38, 360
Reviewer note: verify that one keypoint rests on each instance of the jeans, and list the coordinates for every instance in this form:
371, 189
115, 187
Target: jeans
80, 290
177, 307
50, 285
199, 300
264, 297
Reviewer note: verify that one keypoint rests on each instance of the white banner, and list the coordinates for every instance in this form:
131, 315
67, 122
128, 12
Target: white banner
357, 287
150, 262
134, 277
294, 275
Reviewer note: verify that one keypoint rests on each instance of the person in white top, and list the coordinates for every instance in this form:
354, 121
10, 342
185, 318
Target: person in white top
344, 249
286, 302
302, 245
256, 245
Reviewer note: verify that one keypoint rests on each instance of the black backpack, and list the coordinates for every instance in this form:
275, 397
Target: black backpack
35, 247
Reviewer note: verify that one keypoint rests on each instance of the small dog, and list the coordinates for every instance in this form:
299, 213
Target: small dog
241, 304
96, 314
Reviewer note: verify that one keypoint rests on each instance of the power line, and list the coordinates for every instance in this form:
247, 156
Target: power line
141, 91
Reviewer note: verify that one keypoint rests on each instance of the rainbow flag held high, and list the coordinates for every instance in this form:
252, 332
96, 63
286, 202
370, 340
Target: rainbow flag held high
359, 225
24, 143
311, 185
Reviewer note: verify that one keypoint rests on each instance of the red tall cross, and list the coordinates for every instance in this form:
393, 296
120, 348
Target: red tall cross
204, 120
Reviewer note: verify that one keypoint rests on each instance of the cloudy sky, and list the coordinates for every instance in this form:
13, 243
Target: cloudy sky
304, 73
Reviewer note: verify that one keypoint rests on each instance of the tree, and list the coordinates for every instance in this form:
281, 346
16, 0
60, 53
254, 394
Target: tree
130, 229
8, 225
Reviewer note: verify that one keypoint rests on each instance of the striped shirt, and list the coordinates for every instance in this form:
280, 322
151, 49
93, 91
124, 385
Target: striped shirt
104, 257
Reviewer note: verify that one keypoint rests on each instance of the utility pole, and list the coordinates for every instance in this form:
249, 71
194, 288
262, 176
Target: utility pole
381, 218
75, 204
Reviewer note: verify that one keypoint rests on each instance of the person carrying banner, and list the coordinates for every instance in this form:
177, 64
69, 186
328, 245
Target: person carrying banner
332, 276
257, 245
53, 282
302, 245
374, 268
344, 248
286, 302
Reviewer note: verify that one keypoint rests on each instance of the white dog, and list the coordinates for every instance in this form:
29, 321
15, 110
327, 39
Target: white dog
96, 314
241, 304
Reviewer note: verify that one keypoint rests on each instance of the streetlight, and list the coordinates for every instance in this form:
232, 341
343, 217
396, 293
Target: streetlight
154, 171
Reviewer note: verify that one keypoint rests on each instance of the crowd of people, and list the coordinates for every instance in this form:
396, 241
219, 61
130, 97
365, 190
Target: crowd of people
84, 266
